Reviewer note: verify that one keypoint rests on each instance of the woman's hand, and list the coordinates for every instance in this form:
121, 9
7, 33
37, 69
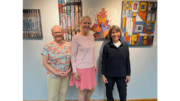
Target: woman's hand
127, 79
104, 79
96, 70
59, 73
76, 76
65, 74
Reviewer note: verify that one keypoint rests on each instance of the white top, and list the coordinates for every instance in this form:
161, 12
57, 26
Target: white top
117, 44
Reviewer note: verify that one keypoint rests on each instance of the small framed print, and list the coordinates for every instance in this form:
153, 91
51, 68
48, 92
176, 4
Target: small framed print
32, 28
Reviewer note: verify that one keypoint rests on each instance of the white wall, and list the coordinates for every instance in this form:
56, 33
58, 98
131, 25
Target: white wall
143, 82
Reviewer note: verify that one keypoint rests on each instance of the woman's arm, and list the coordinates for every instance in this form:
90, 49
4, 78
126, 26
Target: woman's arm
128, 66
70, 69
74, 47
94, 57
128, 62
50, 68
104, 57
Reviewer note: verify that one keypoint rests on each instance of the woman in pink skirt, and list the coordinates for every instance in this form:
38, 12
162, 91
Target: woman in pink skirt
83, 61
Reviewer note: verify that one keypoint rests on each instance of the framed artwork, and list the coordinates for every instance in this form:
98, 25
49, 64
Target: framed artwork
70, 12
138, 21
32, 28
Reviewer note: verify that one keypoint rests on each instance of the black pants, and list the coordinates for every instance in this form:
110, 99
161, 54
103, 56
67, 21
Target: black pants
121, 85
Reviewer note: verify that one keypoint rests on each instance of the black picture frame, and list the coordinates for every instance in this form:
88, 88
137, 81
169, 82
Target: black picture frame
32, 28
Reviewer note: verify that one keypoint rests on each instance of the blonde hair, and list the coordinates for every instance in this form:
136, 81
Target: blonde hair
117, 28
81, 19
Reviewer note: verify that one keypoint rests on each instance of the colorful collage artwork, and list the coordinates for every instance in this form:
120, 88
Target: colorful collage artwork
100, 28
69, 15
138, 22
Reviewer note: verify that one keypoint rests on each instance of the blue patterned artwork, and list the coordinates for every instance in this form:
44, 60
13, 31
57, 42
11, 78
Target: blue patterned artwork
32, 24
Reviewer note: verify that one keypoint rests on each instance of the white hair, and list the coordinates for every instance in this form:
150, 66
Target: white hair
54, 27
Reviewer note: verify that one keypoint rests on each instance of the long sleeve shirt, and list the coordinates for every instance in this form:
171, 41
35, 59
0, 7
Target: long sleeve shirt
115, 60
82, 52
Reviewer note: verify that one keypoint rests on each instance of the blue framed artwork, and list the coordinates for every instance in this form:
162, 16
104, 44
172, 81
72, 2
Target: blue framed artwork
32, 28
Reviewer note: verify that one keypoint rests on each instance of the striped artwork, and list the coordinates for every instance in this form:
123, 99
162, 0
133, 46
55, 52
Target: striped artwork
32, 24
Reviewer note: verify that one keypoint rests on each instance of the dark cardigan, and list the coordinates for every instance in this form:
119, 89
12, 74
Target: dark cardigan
115, 61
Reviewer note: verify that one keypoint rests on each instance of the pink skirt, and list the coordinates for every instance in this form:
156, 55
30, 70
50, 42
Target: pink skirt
87, 79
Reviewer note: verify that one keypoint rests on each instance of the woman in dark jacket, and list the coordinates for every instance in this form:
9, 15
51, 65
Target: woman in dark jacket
116, 64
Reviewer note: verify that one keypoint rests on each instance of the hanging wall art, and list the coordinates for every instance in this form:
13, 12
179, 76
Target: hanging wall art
100, 28
32, 24
138, 21
70, 12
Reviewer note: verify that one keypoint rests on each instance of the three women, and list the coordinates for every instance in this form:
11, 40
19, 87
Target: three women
57, 56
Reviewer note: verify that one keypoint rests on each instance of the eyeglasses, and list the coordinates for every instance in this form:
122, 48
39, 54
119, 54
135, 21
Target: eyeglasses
57, 32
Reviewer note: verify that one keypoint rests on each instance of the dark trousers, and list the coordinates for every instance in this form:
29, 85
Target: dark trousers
121, 85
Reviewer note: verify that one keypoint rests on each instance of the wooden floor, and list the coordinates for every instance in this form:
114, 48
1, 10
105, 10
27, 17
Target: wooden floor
105, 100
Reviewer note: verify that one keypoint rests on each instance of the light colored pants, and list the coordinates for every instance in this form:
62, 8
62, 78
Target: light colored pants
58, 87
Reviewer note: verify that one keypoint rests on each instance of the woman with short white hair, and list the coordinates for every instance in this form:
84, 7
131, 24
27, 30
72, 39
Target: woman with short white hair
56, 59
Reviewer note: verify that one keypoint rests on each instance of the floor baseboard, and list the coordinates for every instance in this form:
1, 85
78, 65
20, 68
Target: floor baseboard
149, 99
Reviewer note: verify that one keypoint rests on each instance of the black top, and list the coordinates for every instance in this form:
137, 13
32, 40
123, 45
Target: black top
115, 61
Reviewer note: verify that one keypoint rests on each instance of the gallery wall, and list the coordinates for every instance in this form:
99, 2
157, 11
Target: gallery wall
143, 82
